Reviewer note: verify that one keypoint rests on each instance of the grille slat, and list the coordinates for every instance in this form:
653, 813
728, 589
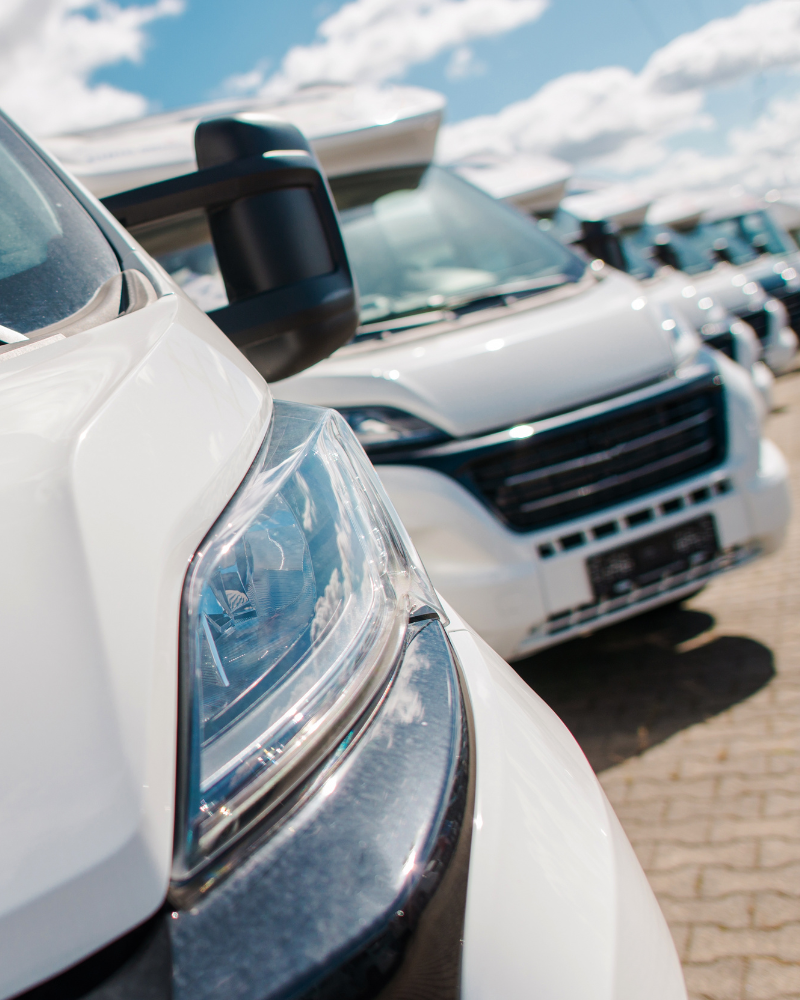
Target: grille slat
758, 321
618, 480
611, 453
580, 468
792, 302
723, 342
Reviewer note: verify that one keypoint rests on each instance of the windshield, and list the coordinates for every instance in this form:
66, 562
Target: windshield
743, 238
434, 240
669, 246
637, 248
53, 258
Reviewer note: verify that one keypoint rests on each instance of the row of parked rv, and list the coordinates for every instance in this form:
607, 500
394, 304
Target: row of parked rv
545, 413
253, 753
250, 752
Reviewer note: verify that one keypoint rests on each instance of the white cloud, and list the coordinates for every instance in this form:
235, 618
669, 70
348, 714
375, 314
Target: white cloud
760, 37
49, 50
619, 120
462, 63
577, 117
374, 40
763, 156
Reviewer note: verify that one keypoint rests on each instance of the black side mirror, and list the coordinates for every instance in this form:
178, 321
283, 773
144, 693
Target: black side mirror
291, 296
722, 252
601, 239
665, 254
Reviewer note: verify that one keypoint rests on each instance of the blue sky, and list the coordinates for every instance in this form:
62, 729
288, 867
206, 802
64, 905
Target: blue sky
189, 56
688, 92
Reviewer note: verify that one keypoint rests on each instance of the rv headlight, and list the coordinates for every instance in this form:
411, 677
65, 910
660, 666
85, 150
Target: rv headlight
294, 610
378, 427
683, 338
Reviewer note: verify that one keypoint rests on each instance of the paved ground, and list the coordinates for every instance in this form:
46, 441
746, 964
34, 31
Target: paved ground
692, 718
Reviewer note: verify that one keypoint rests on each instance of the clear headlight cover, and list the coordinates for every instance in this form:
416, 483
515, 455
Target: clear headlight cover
294, 610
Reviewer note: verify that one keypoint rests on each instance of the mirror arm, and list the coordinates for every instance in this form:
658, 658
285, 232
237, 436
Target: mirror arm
211, 187
281, 330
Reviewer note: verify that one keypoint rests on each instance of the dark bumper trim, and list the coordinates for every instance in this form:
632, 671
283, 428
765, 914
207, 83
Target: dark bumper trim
359, 893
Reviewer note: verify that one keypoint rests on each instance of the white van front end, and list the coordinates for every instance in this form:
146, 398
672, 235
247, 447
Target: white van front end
573, 436
249, 753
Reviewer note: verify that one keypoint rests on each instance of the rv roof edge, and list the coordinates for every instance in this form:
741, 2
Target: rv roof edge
351, 130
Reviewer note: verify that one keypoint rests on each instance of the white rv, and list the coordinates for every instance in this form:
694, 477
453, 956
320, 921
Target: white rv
737, 241
249, 753
560, 446
611, 225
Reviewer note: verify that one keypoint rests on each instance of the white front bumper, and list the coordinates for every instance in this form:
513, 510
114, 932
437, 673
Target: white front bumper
520, 601
557, 903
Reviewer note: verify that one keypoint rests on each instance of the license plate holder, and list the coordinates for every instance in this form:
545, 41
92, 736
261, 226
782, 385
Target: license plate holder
648, 560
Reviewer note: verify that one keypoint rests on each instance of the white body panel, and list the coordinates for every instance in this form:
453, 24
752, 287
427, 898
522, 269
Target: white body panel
557, 903
719, 294
120, 446
545, 355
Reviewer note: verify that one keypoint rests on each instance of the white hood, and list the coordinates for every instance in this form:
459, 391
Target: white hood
562, 350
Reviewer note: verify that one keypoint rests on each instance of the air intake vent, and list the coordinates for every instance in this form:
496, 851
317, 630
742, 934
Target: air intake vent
758, 321
580, 468
792, 302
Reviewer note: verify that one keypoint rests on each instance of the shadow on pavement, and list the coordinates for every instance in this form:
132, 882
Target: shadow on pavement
632, 685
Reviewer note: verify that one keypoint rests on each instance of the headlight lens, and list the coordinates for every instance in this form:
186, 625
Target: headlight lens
293, 613
684, 339
378, 427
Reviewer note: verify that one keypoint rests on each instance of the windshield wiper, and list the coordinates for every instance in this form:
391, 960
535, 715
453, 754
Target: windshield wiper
455, 305
505, 293
520, 286
402, 321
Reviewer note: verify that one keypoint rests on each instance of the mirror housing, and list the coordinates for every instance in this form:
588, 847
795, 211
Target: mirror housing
664, 253
601, 239
291, 296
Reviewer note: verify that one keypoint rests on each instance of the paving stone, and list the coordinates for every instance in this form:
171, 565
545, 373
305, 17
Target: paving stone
718, 881
721, 980
728, 911
740, 854
769, 979
710, 943
692, 719
774, 909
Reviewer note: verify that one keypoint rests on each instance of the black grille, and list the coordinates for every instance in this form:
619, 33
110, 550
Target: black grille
723, 342
586, 466
758, 321
792, 302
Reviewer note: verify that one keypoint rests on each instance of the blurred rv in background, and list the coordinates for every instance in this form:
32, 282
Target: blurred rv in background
610, 225
738, 240
611, 228
561, 448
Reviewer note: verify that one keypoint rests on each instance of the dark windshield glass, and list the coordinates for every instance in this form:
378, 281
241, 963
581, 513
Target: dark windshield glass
761, 233
722, 240
740, 239
53, 258
679, 248
637, 248
438, 240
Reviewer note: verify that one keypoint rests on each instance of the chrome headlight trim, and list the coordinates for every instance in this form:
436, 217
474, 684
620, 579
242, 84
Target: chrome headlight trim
293, 615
